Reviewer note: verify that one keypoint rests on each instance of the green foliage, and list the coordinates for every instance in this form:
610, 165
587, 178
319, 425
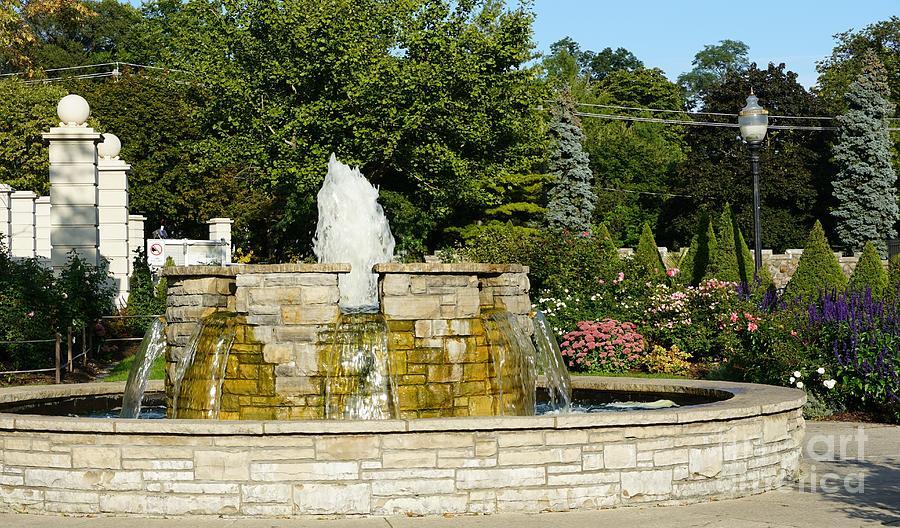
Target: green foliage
894, 275
667, 361
570, 199
432, 99
86, 291
703, 258
27, 112
869, 272
725, 260
123, 368
647, 263
818, 270
711, 65
145, 297
865, 184
567, 62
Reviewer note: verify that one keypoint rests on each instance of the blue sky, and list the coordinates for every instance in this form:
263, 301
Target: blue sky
667, 33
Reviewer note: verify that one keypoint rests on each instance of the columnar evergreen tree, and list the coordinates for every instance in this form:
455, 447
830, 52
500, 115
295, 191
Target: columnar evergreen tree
818, 270
571, 197
647, 262
725, 257
864, 186
698, 259
869, 272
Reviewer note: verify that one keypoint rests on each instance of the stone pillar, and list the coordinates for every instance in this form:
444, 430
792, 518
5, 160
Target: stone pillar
135, 238
21, 242
112, 207
220, 229
5, 228
73, 184
42, 227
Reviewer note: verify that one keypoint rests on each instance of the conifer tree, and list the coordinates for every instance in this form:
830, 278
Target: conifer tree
707, 251
608, 252
647, 262
818, 270
686, 264
894, 277
570, 201
725, 257
865, 183
869, 272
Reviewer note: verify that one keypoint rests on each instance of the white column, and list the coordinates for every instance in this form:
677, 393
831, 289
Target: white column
135, 237
112, 207
42, 227
5, 191
21, 242
73, 184
220, 229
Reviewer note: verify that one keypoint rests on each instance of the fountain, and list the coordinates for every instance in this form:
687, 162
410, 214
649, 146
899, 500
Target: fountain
290, 393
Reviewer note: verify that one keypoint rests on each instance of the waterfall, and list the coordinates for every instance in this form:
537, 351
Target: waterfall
152, 346
200, 372
359, 384
513, 357
550, 364
352, 228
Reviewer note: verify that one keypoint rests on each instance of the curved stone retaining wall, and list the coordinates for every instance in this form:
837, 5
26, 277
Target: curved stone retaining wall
746, 444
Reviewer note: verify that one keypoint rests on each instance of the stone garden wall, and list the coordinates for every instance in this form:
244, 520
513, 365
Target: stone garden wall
744, 445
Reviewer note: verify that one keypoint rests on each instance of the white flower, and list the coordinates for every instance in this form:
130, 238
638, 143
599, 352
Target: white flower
797, 374
829, 384
566, 290
793, 379
821, 370
799, 384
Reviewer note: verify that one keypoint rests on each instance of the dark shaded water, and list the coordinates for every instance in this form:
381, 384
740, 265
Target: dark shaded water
154, 404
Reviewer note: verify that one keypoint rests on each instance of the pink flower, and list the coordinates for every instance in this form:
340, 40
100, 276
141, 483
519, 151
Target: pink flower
621, 276
793, 333
751, 326
734, 317
601, 281
671, 272
31, 313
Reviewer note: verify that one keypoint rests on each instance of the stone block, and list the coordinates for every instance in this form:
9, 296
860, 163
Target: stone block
96, 457
620, 456
395, 284
654, 482
221, 465
537, 456
290, 471
266, 492
309, 314
500, 477
705, 461
412, 307
418, 487
278, 353
347, 447
409, 459
413, 506
340, 499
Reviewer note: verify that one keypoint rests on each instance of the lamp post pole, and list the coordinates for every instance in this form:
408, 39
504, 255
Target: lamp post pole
753, 121
755, 148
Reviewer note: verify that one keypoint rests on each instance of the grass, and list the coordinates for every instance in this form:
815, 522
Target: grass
120, 371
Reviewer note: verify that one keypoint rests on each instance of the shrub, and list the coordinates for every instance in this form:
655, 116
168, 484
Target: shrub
667, 361
145, 298
703, 265
86, 291
869, 273
818, 270
603, 346
725, 256
646, 263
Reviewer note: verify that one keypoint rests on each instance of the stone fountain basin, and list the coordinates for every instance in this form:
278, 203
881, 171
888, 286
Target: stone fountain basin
743, 445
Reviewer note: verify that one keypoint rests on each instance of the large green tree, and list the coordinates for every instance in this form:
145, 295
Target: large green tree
431, 98
865, 184
712, 65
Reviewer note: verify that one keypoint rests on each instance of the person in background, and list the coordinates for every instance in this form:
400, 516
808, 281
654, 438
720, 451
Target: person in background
161, 232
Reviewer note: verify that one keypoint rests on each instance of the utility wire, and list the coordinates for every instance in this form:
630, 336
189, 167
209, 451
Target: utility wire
617, 117
616, 107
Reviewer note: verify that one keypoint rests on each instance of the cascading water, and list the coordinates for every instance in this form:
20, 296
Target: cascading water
359, 384
549, 363
152, 346
513, 357
352, 229
200, 372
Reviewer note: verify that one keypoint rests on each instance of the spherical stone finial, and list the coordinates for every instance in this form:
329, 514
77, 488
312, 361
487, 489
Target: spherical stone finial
73, 110
110, 146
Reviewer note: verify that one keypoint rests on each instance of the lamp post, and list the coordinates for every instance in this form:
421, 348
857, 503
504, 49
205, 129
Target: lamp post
754, 121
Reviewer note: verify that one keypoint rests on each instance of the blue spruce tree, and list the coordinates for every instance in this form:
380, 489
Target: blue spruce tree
570, 198
865, 183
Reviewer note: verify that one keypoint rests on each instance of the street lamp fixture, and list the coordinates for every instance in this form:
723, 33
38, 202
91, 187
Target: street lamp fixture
754, 121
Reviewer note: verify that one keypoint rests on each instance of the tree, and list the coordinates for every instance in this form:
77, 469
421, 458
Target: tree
633, 163
869, 273
865, 184
725, 258
647, 263
570, 198
818, 270
431, 99
607, 61
794, 174
28, 112
711, 66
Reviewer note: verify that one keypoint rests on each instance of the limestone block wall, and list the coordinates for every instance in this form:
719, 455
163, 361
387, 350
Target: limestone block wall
440, 352
745, 445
